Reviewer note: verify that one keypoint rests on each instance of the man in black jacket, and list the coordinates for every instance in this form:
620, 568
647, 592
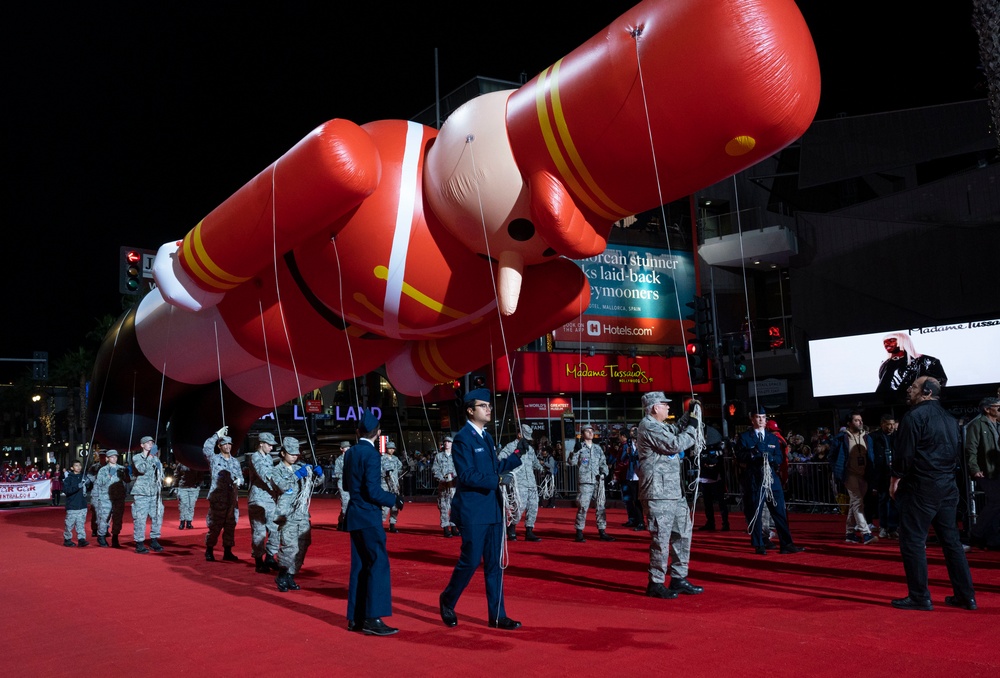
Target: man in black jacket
923, 485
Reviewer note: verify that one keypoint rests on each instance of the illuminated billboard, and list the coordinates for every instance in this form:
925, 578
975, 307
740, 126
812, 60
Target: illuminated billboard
885, 363
638, 295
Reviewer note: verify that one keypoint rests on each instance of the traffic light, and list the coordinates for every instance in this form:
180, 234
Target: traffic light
701, 339
40, 365
130, 266
738, 358
697, 362
735, 410
701, 320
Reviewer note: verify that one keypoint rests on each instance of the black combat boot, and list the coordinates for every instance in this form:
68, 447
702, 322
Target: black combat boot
511, 533
340, 522
115, 544
68, 542
155, 545
392, 528
604, 536
579, 536
259, 565
447, 532
282, 580
140, 547
290, 582
189, 525
271, 563
529, 534
82, 543
181, 526
102, 541
658, 590
209, 556
228, 555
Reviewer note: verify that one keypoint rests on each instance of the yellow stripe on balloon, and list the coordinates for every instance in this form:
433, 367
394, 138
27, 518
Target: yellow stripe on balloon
428, 359
545, 81
382, 273
202, 265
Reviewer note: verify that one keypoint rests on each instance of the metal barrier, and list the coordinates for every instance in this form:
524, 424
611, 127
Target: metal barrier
810, 486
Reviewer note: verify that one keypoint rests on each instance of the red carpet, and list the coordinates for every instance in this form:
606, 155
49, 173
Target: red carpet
825, 612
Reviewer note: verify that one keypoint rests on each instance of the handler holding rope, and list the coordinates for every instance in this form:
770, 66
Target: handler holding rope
661, 448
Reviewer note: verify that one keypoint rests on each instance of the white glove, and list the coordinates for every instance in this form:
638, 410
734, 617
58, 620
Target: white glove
222, 431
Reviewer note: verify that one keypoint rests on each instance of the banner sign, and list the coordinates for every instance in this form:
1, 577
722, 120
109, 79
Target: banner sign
29, 491
638, 295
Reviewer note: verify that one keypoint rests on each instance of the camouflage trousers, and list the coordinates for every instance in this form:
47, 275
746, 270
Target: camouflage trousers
110, 511
528, 499
187, 497
263, 531
295, 536
146, 506
586, 493
222, 515
345, 497
76, 520
670, 528
446, 492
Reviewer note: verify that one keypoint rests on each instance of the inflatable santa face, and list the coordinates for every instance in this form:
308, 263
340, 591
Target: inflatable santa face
434, 253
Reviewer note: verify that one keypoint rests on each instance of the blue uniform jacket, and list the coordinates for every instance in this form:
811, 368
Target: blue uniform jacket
751, 450
362, 479
477, 496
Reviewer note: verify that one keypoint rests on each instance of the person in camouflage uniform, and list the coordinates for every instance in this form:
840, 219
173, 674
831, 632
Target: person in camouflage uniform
338, 473
223, 501
147, 501
188, 488
75, 489
294, 481
661, 448
527, 486
109, 493
391, 466
261, 501
592, 468
91, 478
443, 470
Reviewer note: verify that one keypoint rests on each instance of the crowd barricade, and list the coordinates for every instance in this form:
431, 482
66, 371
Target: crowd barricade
810, 487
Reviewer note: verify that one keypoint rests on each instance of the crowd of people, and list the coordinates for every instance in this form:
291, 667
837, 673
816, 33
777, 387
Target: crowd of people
898, 479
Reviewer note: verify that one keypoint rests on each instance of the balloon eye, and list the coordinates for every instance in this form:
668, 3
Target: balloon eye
521, 230
549, 252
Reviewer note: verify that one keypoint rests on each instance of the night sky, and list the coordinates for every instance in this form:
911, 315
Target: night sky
126, 123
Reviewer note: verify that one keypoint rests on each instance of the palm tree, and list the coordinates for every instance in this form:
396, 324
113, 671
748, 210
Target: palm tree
75, 369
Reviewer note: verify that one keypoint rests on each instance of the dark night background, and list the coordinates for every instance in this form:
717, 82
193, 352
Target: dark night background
124, 124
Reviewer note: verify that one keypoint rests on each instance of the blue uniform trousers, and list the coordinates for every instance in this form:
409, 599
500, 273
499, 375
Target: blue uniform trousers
480, 543
370, 592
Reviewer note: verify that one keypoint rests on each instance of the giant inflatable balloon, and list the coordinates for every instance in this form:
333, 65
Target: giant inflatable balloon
427, 251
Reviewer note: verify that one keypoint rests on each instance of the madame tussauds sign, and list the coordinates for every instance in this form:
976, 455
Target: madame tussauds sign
633, 374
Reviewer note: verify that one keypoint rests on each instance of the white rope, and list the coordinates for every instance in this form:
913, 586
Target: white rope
218, 364
343, 315
766, 493
270, 375
547, 487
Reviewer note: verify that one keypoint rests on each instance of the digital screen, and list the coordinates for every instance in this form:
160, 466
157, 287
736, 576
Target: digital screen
885, 363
